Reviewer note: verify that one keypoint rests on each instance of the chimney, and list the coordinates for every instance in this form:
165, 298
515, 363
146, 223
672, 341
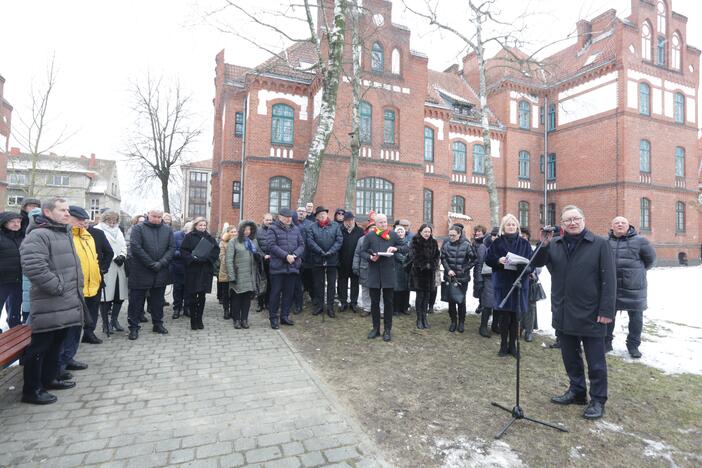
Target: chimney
14, 151
584, 33
91, 163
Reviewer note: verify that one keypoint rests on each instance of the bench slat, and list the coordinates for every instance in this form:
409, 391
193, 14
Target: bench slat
13, 342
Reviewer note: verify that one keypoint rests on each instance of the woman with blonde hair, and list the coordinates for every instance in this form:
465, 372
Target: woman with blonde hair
115, 290
222, 276
200, 252
504, 276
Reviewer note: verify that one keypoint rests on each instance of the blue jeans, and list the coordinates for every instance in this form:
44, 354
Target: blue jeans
11, 296
69, 346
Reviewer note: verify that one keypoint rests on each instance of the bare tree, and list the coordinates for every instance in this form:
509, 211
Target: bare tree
356, 44
162, 133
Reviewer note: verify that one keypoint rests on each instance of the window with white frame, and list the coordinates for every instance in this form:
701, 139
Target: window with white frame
60, 180
646, 44
675, 46
94, 207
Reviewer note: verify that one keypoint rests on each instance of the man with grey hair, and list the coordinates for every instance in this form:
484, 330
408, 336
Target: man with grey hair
151, 249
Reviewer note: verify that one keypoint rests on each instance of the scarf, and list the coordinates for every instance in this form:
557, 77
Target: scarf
572, 242
324, 223
250, 246
383, 234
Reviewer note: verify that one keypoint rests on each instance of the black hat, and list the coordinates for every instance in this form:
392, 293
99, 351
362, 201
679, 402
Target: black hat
495, 231
339, 210
319, 209
78, 212
348, 215
287, 212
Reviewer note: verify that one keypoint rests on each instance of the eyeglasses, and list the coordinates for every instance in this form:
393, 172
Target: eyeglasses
574, 220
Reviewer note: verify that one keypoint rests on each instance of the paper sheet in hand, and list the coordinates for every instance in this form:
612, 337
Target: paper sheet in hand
513, 260
385, 254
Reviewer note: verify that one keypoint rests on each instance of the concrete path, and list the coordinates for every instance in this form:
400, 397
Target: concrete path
219, 397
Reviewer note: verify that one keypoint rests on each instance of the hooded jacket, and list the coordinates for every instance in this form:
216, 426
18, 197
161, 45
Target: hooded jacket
87, 254
633, 255
10, 241
244, 265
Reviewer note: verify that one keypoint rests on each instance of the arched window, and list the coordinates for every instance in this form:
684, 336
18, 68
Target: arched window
374, 193
644, 99
645, 223
645, 156
377, 58
279, 193
389, 127
680, 217
428, 144
679, 162
524, 214
428, 206
660, 50
524, 114
282, 124
459, 156
660, 14
679, 110
458, 204
395, 65
478, 159
366, 114
675, 46
523, 164
646, 44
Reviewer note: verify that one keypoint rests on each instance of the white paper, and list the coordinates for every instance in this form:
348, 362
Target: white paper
385, 254
513, 260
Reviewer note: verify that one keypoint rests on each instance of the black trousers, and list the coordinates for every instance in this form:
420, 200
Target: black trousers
178, 299
400, 301
387, 307
41, 359
596, 364
93, 304
239, 305
224, 294
633, 339
264, 296
308, 283
343, 287
457, 310
298, 292
137, 298
422, 302
319, 274
197, 307
282, 291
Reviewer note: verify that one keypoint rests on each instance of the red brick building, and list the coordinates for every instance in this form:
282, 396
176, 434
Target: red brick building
5, 130
617, 111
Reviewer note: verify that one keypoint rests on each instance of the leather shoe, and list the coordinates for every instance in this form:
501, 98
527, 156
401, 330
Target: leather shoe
528, 337
90, 338
317, 312
634, 352
387, 336
160, 329
330, 312
237, 324
65, 375
245, 324
353, 308
60, 385
286, 321
344, 307
133, 334
39, 397
274, 324
374, 333
76, 365
143, 319
555, 345
595, 410
569, 398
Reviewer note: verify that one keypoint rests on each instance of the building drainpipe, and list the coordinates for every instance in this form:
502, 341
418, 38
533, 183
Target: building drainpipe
546, 160
243, 157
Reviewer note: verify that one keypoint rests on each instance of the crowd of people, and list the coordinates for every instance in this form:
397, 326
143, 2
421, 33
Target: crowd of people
60, 272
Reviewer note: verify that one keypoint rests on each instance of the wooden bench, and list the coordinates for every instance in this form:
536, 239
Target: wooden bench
13, 343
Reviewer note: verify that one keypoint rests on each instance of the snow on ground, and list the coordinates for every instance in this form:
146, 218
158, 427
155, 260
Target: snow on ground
475, 453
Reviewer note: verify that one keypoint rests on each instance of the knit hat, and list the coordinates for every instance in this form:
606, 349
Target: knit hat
30, 201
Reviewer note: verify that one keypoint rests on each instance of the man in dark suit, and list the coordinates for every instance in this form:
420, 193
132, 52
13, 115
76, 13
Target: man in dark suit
583, 295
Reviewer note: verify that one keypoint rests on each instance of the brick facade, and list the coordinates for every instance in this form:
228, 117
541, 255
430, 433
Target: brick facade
5, 130
593, 86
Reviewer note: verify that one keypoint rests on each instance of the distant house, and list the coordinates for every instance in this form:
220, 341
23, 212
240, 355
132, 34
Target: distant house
5, 130
85, 181
196, 197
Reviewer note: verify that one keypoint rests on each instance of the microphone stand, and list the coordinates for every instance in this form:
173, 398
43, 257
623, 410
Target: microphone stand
517, 412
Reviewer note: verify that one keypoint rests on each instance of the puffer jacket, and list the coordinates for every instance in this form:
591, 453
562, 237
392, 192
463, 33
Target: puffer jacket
458, 256
176, 266
222, 275
633, 255
151, 249
262, 238
244, 266
323, 244
360, 263
401, 276
50, 262
283, 241
87, 254
10, 241
482, 275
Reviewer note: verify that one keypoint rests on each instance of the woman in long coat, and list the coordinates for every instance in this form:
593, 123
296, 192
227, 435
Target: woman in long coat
222, 276
11, 236
509, 241
424, 254
198, 270
400, 301
115, 290
244, 261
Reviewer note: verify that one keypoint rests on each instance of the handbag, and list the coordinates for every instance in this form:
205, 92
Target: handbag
536, 292
452, 291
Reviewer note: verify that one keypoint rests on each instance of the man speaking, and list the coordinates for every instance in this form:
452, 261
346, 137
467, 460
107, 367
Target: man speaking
583, 296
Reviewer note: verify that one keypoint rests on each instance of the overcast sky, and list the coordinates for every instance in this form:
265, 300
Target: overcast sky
101, 47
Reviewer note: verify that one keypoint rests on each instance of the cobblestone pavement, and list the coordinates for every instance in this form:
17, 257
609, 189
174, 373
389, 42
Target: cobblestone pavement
215, 397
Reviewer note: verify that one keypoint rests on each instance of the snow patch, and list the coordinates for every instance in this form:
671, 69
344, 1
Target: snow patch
475, 453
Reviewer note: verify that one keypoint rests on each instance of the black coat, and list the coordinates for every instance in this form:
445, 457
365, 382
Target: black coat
460, 257
10, 241
633, 255
262, 237
381, 274
283, 241
425, 256
348, 247
482, 283
198, 271
502, 279
105, 254
177, 266
583, 284
151, 249
323, 243
401, 273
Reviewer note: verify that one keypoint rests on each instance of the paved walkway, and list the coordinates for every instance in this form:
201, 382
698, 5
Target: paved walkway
217, 397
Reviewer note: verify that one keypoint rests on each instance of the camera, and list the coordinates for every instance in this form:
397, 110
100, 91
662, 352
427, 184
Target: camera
551, 229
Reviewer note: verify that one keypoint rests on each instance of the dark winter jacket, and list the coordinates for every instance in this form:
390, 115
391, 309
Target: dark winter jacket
502, 279
283, 241
633, 255
105, 254
198, 271
425, 257
460, 257
50, 261
10, 241
381, 273
177, 266
401, 274
583, 285
323, 243
151, 249
482, 282
360, 263
262, 234
348, 247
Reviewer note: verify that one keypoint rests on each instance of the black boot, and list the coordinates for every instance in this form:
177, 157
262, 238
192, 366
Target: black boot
116, 306
90, 338
105, 315
193, 322
461, 322
484, 318
425, 323
186, 311
495, 327
374, 333
504, 337
227, 313
452, 315
176, 313
420, 324
513, 330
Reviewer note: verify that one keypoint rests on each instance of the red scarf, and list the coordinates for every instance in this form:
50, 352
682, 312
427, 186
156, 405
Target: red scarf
324, 223
385, 235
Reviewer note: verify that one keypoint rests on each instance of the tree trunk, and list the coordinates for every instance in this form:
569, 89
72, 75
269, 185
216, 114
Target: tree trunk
331, 74
164, 195
350, 197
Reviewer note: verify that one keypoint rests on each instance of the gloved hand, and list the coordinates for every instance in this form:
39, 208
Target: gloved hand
155, 266
119, 260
